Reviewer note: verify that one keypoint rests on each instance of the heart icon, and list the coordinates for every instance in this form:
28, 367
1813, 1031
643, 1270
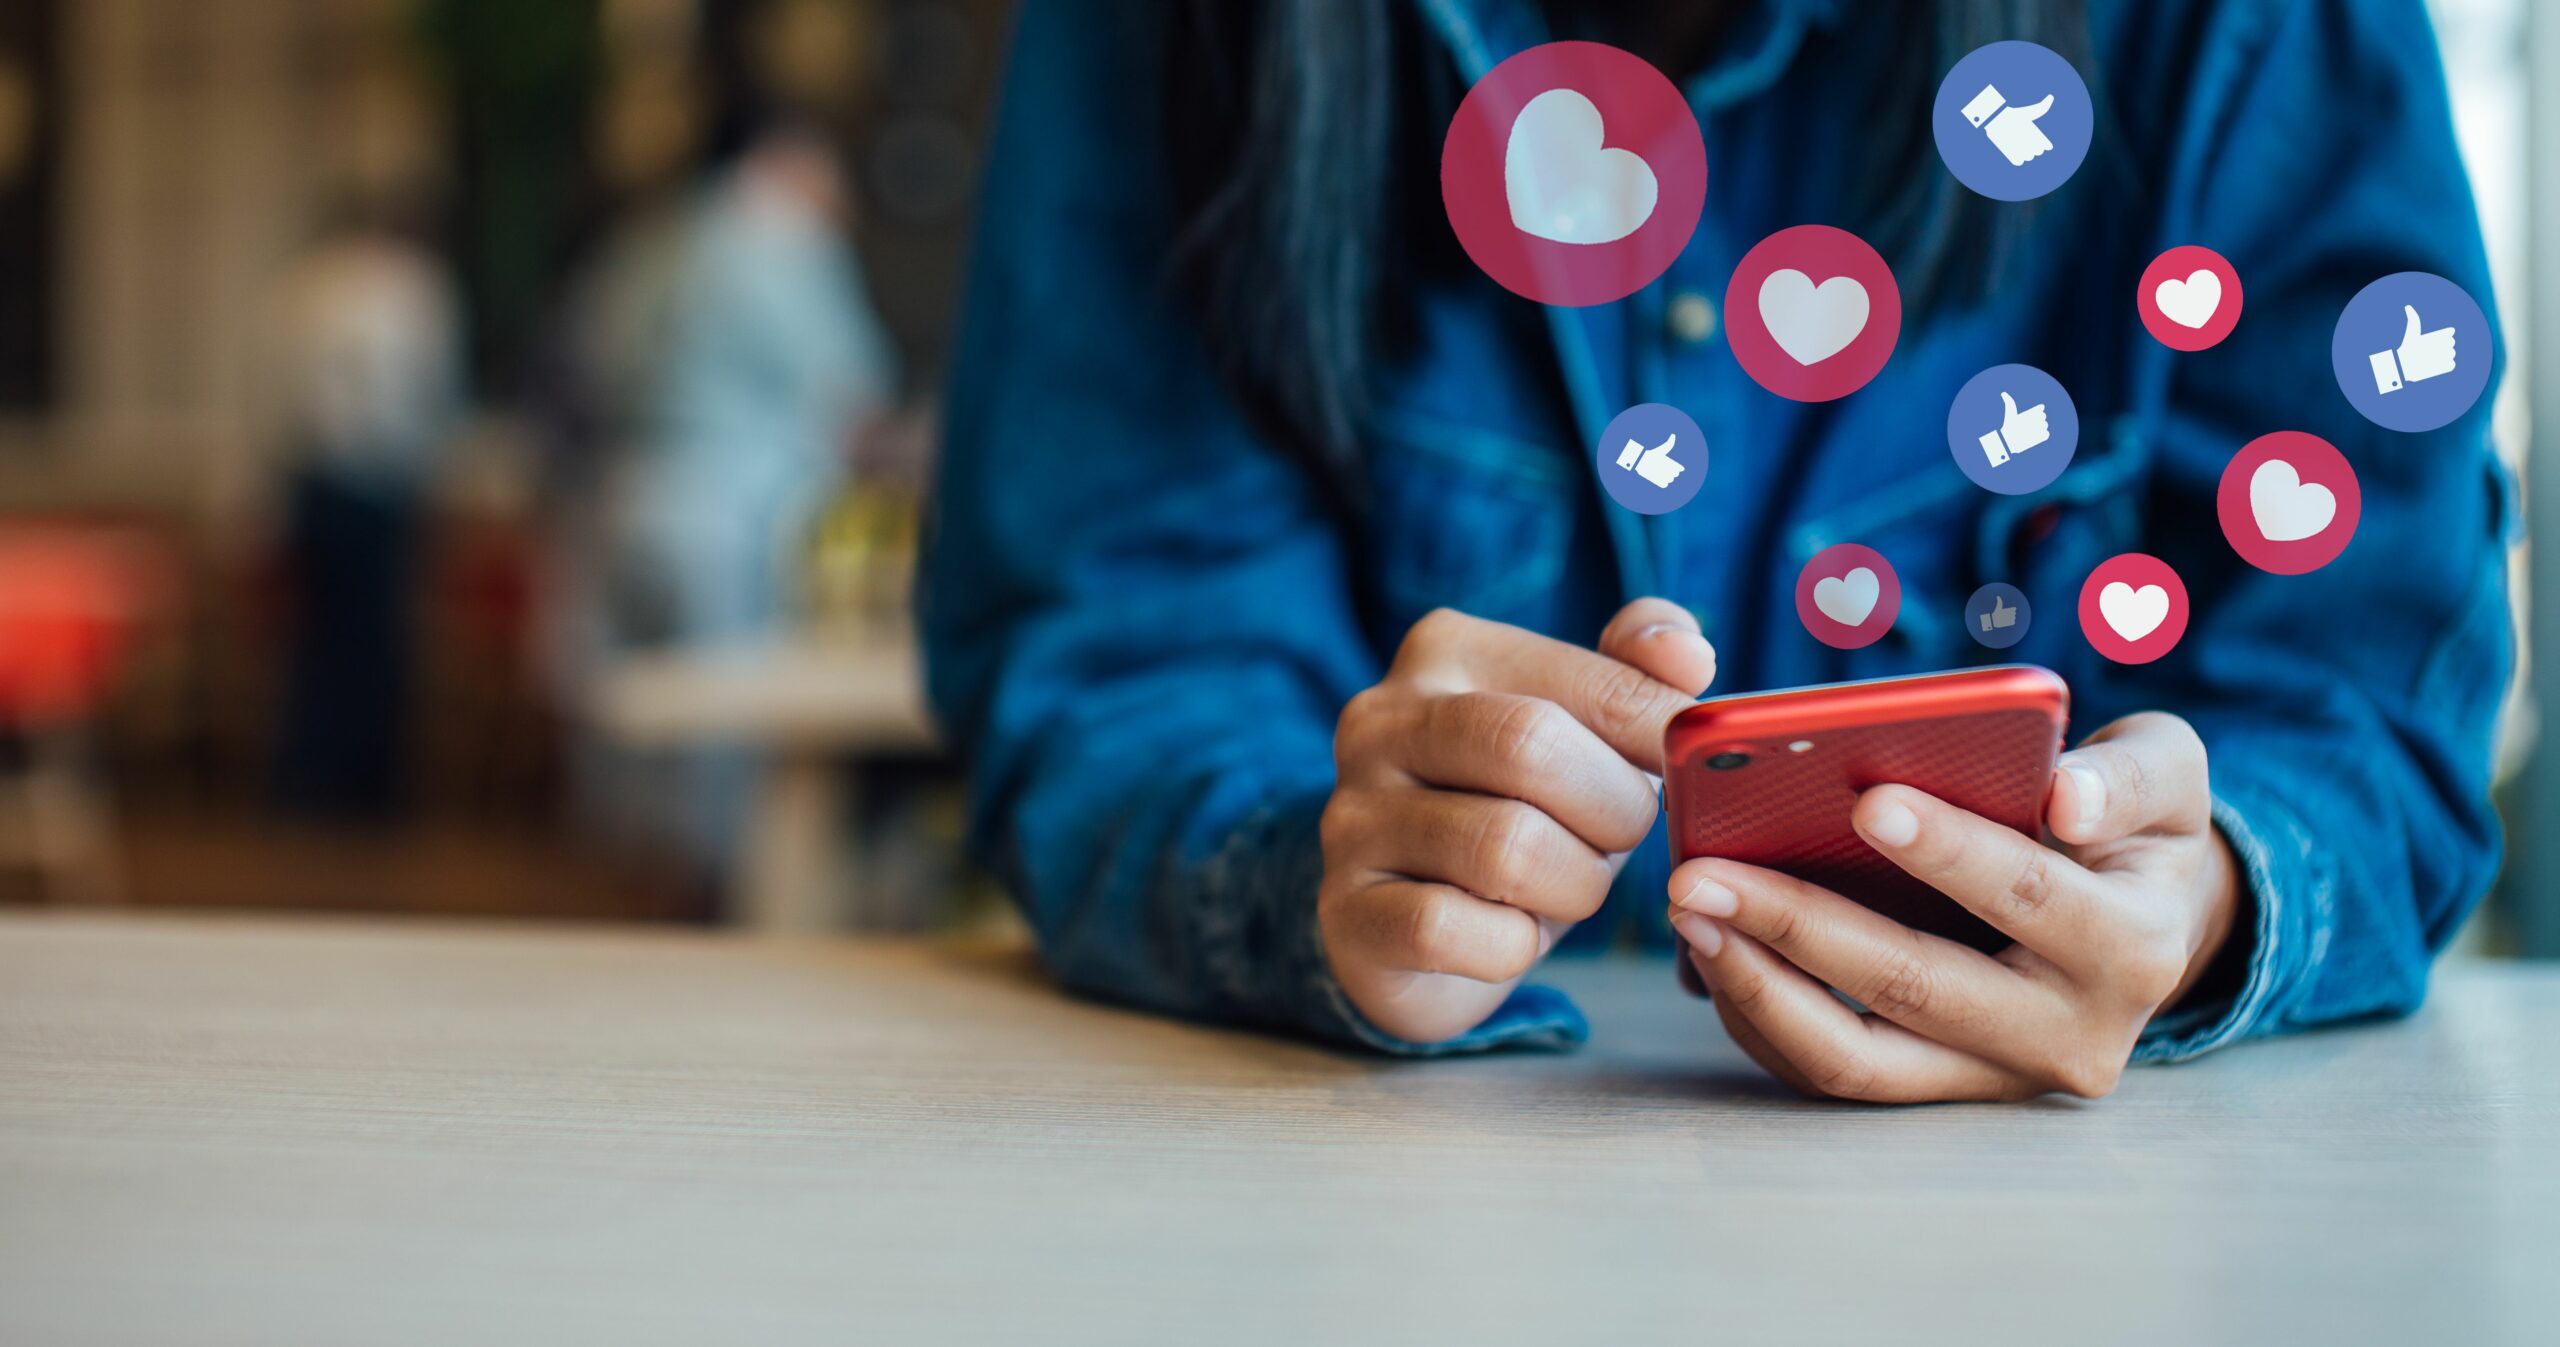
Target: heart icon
1847, 599
1563, 184
2287, 508
2191, 302
2134, 613
1812, 323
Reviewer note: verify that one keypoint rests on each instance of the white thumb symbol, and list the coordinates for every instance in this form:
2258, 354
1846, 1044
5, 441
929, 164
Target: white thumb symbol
2008, 409
2412, 334
2032, 111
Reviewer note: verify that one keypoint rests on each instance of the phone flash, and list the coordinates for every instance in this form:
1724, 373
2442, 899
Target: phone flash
1801, 746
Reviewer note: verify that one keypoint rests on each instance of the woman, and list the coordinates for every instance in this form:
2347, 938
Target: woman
1266, 540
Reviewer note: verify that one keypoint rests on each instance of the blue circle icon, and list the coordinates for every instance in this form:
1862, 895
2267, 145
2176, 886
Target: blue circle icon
2013, 121
2012, 429
1997, 616
1652, 458
2412, 351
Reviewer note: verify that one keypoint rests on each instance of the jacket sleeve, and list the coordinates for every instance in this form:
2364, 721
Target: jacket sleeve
1137, 616
2349, 713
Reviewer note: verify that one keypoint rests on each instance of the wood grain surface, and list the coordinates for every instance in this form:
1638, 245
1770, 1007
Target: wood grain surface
258, 1131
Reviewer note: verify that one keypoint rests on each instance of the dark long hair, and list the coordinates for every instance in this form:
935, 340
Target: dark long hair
1304, 137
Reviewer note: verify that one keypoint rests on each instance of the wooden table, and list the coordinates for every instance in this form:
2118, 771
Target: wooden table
268, 1132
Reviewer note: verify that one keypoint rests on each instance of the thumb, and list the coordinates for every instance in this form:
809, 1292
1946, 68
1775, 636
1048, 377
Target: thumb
2008, 408
2415, 327
2034, 110
2142, 774
1662, 639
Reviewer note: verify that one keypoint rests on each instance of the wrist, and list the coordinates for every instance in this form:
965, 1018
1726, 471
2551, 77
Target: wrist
2222, 891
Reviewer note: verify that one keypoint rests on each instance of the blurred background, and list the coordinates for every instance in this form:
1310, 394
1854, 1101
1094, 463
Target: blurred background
462, 456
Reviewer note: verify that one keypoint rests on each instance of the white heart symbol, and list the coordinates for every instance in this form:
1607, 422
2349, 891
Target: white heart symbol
2134, 613
1812, 323
2287, 508
1846, 599
1563, 184
2191, 302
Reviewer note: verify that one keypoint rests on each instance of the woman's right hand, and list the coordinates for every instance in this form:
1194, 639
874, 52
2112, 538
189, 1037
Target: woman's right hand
1486, 792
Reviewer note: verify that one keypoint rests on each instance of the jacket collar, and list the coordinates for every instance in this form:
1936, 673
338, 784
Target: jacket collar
1763, 41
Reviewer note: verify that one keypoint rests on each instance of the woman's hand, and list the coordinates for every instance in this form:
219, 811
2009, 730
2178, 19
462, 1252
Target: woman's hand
2120, 921
1487, 790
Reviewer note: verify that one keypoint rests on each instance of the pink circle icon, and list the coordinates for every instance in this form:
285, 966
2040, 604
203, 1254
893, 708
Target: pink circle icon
2189, 298
1812, 313
2133, 608
1848, 596
2289, 502
1574, 173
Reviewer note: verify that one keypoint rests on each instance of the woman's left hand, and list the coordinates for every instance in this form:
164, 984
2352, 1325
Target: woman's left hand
2120, 921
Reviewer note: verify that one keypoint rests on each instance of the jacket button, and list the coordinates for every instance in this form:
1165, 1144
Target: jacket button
1691, 317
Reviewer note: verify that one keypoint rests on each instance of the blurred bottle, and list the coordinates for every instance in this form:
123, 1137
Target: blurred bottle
861, 559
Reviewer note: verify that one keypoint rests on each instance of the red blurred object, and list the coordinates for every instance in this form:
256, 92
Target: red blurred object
69, 598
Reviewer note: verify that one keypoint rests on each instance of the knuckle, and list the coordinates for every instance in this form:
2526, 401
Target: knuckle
2195, 761
2153, 972
1358, 729
1523, 733
1940, 850
1504, 849
1619, 697
1902, 987
1430, 931
2136, 777
1781, 927
1742, 993
2031, 886
2140, 760
2177, 766
2087, 1074
1338, 917
1338, 824
1431, 634
1626, 817
1842, 1073
2165, 726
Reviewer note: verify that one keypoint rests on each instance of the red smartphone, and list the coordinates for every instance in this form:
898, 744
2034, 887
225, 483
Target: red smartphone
1768, 779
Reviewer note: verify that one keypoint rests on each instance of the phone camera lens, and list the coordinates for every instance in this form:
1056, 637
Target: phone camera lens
1726, 762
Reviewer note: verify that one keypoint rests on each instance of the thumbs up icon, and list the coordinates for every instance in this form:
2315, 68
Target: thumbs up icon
2018, 431
2013, 131
2001, 617
2421, 355
1655, 465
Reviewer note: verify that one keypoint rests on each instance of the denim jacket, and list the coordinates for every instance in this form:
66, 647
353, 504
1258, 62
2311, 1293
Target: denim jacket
1142, 617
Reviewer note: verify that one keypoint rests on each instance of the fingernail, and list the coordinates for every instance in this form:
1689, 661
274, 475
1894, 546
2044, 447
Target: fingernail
2091, 789
1648, 632
1894, 825
1707, 937
1708, 898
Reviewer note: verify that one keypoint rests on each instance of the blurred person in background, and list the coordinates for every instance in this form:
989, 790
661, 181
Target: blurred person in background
734, 355
369, 361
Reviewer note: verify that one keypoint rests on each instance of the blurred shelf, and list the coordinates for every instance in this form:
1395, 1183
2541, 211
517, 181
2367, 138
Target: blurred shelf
845, 694
813, 702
